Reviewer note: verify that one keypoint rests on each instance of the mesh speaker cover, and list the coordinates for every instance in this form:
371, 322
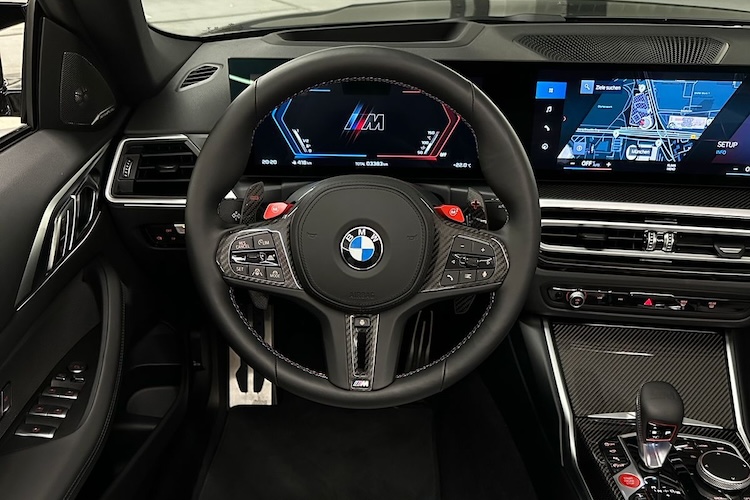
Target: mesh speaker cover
626, 49
604, 367
85, 97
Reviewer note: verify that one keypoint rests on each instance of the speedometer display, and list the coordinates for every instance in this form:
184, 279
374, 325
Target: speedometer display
365, 125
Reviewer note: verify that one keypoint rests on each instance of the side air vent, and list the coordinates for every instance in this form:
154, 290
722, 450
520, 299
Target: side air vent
632, 241
657, 49
198, 76
153, 168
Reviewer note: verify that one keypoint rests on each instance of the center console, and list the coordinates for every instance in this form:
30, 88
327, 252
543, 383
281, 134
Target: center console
646, 413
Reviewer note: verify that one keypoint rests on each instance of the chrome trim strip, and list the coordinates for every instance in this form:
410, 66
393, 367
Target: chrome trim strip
640, 254
135, 201
630, 415
736, 398
61, 262
568, 424
27, 281
728, 213
643, 226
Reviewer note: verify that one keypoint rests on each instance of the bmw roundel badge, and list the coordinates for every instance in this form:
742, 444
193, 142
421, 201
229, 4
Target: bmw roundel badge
362, 248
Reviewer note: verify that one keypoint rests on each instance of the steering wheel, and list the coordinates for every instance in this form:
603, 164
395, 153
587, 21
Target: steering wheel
362, 252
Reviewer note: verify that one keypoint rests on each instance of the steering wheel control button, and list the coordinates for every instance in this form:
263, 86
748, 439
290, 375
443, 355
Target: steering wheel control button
486, 262
276, 209
467, 276
60, 392
629, 480
482, 249
264, 240
450, 278
462, 245
34, 430
241, 269
242, 244
361, 248
484, 274
257, 272
362, 322
451, 212
274, 274
77, 367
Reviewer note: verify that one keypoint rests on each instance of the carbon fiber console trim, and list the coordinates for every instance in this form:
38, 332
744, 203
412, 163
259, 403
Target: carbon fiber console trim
604, 367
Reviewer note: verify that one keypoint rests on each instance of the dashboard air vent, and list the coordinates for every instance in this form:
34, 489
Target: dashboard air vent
154, 168
198, 75
639, 241
656, 49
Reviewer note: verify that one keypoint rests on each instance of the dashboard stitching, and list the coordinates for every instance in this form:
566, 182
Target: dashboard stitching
458, 346
264, 344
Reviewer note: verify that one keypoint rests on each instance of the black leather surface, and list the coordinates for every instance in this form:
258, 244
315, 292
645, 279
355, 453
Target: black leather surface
55, 469
504, 165
337, 205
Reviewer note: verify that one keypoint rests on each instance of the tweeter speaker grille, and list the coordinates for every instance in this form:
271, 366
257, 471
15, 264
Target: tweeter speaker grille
85, 97
626, 49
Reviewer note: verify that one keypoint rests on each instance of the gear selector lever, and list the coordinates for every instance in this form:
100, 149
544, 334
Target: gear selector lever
658, 416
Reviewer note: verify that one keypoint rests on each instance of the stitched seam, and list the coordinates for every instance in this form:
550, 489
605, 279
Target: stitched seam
458, 346
265, 344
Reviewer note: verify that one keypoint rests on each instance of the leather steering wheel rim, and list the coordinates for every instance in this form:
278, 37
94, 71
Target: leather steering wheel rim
504, 165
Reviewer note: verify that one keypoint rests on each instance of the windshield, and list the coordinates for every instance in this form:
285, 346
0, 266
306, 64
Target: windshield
208, 17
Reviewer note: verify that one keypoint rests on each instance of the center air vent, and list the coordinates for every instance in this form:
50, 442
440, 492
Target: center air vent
154, 168
198, 75
618, 241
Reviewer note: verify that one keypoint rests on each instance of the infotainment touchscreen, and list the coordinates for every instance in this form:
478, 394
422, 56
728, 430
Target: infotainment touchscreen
642, 122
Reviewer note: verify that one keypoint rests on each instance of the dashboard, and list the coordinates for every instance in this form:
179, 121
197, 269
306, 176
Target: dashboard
610, 123
639, 136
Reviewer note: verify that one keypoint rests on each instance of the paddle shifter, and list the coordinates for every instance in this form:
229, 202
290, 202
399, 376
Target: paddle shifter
658, 416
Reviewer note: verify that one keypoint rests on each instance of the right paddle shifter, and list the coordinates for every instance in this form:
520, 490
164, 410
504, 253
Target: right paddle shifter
658, 416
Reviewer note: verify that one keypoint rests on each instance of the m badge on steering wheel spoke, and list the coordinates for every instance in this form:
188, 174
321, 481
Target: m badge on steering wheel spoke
361, 248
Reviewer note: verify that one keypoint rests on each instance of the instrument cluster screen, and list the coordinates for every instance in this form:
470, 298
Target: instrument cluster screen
362, 126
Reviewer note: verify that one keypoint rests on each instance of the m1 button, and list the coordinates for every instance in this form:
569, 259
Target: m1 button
276, 209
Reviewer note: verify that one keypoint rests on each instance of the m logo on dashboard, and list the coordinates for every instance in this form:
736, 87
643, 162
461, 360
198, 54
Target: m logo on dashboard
363, 120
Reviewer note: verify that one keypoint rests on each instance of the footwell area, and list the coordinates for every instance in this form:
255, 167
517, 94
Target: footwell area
301, 450
454, 446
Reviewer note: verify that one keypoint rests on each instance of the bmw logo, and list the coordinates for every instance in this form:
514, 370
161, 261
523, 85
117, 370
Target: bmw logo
362, 248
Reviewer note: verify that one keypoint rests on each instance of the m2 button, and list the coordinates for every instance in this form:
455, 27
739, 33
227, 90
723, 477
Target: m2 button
451, 212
